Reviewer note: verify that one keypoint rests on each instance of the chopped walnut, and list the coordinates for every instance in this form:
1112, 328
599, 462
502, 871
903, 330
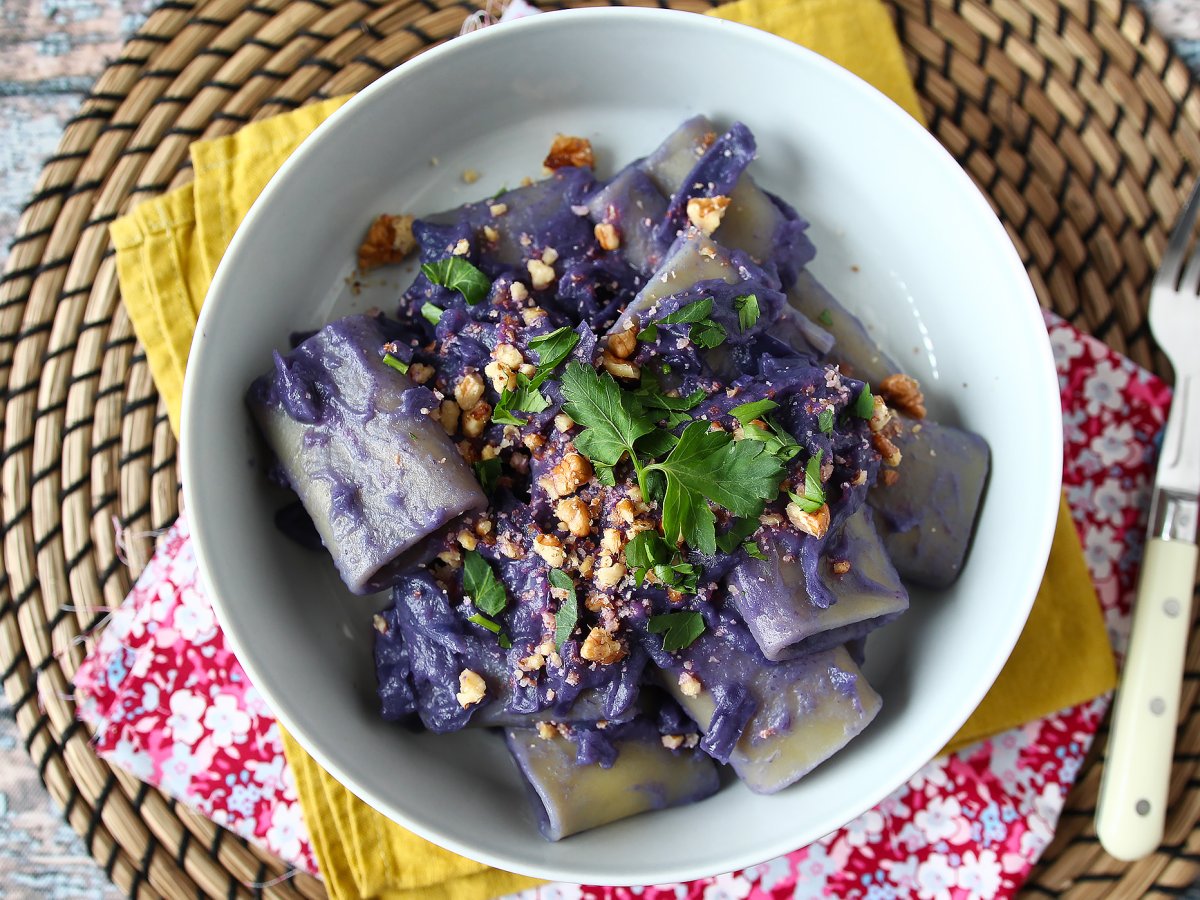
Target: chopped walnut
452, 557
607, 236
420, 373
532, 662
620, 368
546, 731
469, 391
880, 415
572, 472
449, 416
467, 540
568, 150
462, 248
475, 420
508, 355
609, 575
600, 647
533, 441
490, 234
541, 275
498, 209
624, 343
470, 176
613, 542
549, 256
816, 523
888, 477
706, 212
549, 548
520, 293
689, 684
501, 376
624, 511
902, 392
889, 451
672, 741
860, 478
574, 515
471, 688
563, 422
379, 623
388, 240
510, 548
840, 566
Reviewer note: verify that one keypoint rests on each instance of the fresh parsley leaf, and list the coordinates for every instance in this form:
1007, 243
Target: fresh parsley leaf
612, 419
488, 473
396, 363
787, 444
458, 274
752, 549
825, 420
747, 310
748, 412
504, 641
645, 551
432, 313
524, 398
649, 334
481, 585
568, 609
656, 443
671, 409
814, 492
554, 347
826, 318
737, 533
709, 465
679, 630
693, 312
864, 406
484, 622
707, 334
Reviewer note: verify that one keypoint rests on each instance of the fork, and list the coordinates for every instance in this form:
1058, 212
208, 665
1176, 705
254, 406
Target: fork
1131, 811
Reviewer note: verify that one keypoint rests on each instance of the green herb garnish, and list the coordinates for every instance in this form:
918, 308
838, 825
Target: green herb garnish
864, 406
826, 318
704, 332
432, 313
484, 622
825, 420
752, 549
747, 309
552, 349
736, 534
814, 493
612, 419
488, 473
679, 630
396, 363
458, 274
709, 465
568, 610
481, 585
748, 412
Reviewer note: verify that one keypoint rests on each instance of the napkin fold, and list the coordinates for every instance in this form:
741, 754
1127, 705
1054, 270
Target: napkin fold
167, 252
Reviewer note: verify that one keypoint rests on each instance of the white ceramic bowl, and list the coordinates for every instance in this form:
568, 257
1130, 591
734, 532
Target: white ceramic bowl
904, 238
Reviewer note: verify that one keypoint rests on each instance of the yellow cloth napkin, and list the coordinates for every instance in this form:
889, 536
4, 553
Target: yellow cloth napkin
167, 251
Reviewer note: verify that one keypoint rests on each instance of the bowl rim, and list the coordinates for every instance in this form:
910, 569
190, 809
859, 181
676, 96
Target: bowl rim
1044, 515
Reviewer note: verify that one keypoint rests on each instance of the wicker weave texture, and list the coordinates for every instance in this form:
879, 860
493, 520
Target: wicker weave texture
1075, 118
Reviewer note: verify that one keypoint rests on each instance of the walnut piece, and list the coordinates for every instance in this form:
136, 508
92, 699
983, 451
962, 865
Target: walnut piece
903, 392
388, 240
607, 236
568, 150
574, 515
706, 212
549, 548
814, 523
689, 684
889, 451
471, 688
572, 472
600, 647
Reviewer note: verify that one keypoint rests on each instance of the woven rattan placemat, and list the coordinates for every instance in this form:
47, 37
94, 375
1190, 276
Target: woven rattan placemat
1075, 118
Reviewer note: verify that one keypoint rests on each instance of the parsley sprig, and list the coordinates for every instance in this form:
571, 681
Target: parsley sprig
814, 493
699, 467
679, 629
702, 331
552, 349
460, 275
647, 552
568, 610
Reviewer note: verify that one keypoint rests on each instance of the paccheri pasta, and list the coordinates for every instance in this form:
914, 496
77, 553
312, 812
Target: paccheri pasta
618, 459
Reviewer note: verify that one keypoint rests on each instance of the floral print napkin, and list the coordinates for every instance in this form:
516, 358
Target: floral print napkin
168, 701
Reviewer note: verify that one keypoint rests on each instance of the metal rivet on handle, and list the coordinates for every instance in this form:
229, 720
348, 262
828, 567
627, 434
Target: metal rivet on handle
1171, 607
1143, 807
1158, 706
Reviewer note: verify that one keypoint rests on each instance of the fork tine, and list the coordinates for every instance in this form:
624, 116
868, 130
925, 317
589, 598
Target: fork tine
1172, 261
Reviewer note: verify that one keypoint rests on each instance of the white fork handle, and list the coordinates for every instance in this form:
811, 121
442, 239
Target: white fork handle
1137, 772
